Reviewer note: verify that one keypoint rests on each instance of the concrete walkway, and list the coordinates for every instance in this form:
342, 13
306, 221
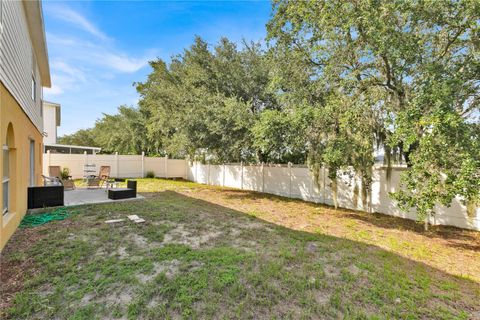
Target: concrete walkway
81, 196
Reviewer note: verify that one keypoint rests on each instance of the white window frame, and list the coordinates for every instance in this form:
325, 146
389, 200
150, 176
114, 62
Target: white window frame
31, 165
6, 184
34, 88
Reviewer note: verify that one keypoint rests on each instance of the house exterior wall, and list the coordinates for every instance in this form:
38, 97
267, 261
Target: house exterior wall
18, 62
24, 70
49, 124
24, 131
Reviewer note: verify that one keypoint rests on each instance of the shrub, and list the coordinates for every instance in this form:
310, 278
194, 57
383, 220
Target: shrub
65, 173
150, 174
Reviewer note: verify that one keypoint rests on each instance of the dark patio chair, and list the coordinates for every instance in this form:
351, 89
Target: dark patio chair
98, 181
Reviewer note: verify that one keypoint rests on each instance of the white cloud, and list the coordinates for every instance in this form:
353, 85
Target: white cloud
55, 90
89, 75
64, 77
66, 69
66, 14
121, 62
100, 55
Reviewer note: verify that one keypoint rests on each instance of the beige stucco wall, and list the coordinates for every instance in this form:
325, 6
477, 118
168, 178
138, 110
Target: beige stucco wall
23, 132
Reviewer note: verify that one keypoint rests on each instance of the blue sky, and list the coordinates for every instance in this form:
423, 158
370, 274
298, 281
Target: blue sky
98, 49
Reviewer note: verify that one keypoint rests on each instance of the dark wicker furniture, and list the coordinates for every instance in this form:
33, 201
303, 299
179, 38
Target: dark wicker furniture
46, 196
124, 193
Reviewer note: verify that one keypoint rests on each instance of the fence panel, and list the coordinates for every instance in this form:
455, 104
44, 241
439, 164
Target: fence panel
253, 178
74, 162
201, 173
191, 171
233, 176
303, 186
176, 168
288, 181
121, 166
277, 180
104, 160
129, 166
215, 175
155, 165
298, 182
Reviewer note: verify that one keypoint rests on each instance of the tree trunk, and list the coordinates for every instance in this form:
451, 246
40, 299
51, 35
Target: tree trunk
427, 219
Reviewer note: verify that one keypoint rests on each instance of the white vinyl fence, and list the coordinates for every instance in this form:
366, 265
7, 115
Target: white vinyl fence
121, 166
298, 182
287, 181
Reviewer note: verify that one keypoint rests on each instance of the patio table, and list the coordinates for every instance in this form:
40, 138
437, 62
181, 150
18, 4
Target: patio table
110, 184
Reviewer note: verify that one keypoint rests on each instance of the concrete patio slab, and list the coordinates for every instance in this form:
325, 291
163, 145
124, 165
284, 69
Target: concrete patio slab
81, 196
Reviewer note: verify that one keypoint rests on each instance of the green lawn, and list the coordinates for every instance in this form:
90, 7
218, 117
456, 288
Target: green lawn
208, 252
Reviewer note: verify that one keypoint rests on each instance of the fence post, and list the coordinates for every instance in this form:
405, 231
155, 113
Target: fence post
289, 179
324, 185
85, 162
196, 172
208, 173
186, 168
166, 166
143, 164
241, 175
223, 178
263, 177
117, 164
49, 160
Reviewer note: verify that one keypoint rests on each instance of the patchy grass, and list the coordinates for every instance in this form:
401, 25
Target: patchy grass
209, 252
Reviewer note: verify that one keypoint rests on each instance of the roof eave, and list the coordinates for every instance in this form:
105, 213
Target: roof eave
36, 27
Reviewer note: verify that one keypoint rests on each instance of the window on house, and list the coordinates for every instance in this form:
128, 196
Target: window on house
6, 179
34, 91
32, 163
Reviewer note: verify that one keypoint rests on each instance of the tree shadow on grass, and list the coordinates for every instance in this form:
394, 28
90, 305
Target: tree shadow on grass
387, 268
251, 268
455, 237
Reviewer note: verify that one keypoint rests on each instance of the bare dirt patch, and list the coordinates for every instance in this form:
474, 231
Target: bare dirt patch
353, 270
170, 268
331, 271
138, 240
321, 297
122, 252
193, 238
312, 247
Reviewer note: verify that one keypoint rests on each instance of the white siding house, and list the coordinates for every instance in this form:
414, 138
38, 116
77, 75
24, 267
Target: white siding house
24, 70
24, 65
51, 120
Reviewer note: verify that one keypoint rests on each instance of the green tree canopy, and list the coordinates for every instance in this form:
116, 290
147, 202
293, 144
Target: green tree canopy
205, 102
123, 132
402, 73
83, 137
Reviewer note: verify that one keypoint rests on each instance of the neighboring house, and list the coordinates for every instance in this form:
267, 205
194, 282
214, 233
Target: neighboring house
51, 120
24, 70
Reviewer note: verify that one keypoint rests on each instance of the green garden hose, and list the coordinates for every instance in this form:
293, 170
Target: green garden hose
30, 220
